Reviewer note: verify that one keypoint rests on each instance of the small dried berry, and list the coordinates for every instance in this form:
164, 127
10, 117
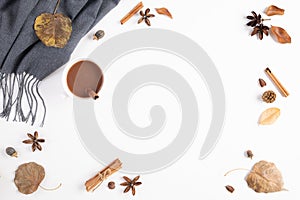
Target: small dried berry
262, 83
249, 154
269, 96
111, 185
229, 188
11, 152
98, 35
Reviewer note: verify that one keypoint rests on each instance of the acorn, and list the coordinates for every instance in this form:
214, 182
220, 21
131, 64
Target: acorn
98, 35
11, 152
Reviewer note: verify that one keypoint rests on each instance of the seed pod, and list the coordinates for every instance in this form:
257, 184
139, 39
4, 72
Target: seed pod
111, 185
262, 83
98, 35
11, 152
229, 188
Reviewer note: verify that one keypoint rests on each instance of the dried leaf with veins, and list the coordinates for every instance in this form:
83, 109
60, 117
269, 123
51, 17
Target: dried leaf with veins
164, 11
280, 35
265, 177
269, 116
274, 10
28, 177
53, 29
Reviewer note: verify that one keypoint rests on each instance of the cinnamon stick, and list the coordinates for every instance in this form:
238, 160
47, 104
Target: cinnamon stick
132, 12
282, 90
94, 182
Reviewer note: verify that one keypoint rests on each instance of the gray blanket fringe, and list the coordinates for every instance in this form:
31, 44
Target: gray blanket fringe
13, 87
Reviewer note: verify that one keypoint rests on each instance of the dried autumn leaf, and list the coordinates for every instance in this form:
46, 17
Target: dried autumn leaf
274, 10
269, 116
280, 35
53, 30
265, 177
28, 177
164, 11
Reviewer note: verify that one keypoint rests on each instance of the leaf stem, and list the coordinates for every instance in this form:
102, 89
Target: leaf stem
266, 19
51, 189
237, 169
56, 6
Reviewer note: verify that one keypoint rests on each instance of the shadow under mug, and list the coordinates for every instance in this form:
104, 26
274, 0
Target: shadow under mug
83, 78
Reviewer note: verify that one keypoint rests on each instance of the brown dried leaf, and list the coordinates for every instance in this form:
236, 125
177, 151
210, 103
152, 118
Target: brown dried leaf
53, 30
274, 10
269, 116
164, 11
265, 177
280, 35
28, 177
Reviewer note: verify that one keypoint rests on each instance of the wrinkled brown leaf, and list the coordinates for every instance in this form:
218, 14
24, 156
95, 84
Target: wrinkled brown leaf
280, 35
274, 10
265, 177
53, 30
269, 116
28, 177
164, 11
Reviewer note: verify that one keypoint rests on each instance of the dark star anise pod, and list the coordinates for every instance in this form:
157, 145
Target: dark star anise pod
255, 19
35, 141
146, 16
130, 184
260, 30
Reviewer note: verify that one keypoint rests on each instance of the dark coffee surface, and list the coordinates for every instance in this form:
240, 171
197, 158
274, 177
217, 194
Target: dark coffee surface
84, 75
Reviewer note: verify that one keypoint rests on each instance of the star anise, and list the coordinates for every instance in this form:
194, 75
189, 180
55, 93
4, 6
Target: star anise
255, 19
146, 16
130, 184
35, 141
260, 30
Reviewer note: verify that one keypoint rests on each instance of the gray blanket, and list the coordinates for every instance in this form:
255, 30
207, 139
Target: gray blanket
25, 61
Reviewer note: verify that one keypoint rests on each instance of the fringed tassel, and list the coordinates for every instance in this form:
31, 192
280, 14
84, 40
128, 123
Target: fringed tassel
13, 87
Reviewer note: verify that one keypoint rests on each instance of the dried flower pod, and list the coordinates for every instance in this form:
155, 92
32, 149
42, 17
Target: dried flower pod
280, 35
98, 35
269, 96
11, 152
249, 154
274, 10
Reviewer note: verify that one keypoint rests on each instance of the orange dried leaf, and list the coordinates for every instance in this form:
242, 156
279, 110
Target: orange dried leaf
269, 116
274, 10
280, 35
265, 177
164, 11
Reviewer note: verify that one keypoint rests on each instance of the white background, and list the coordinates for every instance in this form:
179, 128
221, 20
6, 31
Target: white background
218, 27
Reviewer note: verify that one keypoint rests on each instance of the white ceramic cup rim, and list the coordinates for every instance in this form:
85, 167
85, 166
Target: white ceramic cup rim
65, 74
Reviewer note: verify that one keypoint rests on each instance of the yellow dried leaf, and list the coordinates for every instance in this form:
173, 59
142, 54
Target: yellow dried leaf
274, 10
269, 116
265, 177
164, 11
53, 30
280, 35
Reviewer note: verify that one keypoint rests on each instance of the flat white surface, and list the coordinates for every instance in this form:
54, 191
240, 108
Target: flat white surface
217, 26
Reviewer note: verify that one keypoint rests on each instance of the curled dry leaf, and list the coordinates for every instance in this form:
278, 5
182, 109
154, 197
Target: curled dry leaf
164, 11
265, 177
28, 177
269, 116
53, 30
274, 10
280, 35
